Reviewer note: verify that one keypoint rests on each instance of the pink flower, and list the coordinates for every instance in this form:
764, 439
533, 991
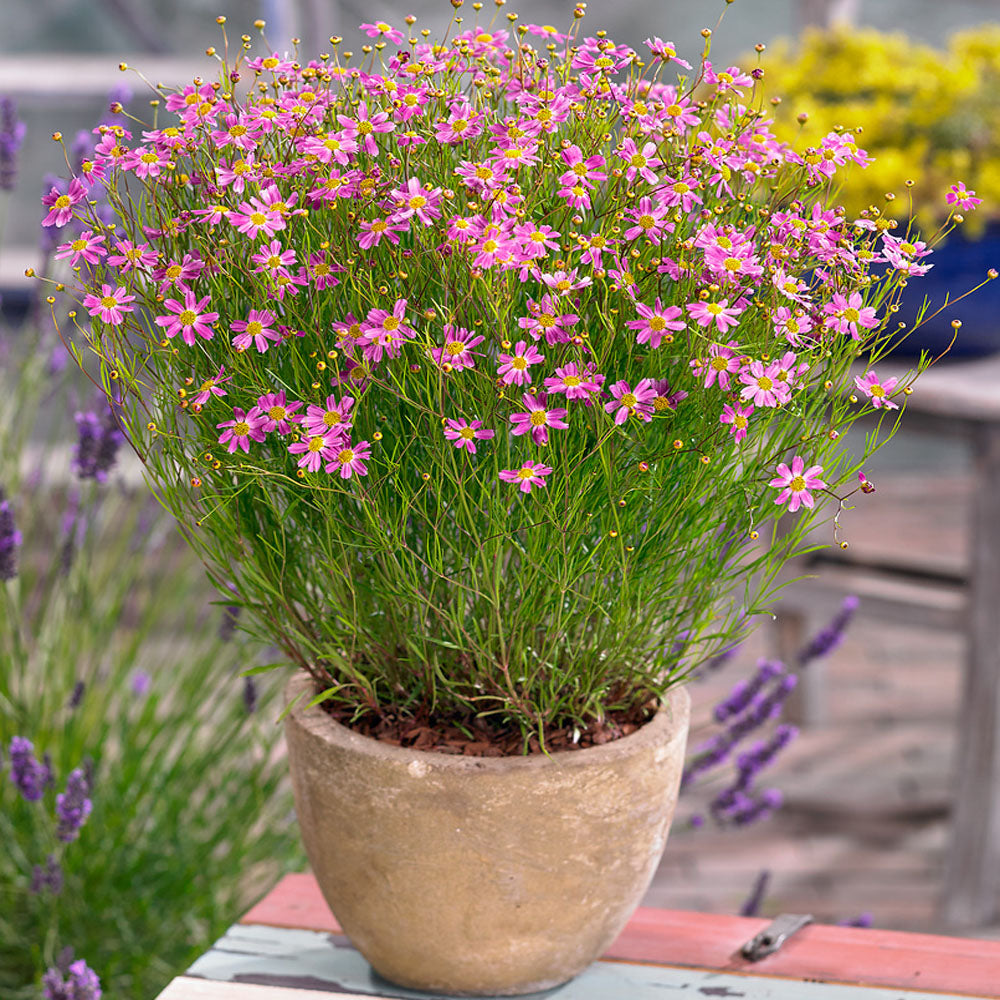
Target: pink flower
86, 246
586, 173
129, 257
664, 398
738, 418
372, 233
575, 383
640, 161
514, 368
365, 127
210, 387
465, 434
314, 449
796, 482
333, 417
537, 419
965, 200
628, 402
650, 222
530, 474
254, 217
656, 322
279, 415
384, 332
273, 259
255, 329
110, 305
60, 205
846, 315
877, 390
722, 314
188, 319
763, 386
415, 199
457, 350
380, 28
723, 361
350, 460
242, 429
547, 320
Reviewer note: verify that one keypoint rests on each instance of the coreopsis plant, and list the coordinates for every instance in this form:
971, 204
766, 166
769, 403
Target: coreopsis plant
481, 371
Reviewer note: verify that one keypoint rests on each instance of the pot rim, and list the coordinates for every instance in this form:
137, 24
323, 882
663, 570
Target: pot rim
669, 723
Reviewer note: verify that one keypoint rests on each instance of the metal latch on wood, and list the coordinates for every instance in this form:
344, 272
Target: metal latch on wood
772, 937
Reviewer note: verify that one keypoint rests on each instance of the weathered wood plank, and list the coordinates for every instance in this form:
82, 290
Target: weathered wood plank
972, 874
889, 959
301, 961
190, 988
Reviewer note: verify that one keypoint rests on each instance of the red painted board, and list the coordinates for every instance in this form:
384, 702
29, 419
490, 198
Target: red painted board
863, 956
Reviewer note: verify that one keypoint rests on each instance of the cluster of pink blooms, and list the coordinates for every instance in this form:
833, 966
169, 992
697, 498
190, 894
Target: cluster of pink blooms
475, 153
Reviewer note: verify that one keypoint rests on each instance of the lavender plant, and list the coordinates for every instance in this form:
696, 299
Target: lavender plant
481, 371
142, 807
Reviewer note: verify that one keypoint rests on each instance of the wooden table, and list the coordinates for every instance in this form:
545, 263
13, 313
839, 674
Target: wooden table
290, 947
960, 400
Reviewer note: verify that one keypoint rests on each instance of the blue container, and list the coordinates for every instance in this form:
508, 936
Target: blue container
959, 265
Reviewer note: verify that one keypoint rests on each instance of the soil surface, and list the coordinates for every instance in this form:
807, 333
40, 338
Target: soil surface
478, 737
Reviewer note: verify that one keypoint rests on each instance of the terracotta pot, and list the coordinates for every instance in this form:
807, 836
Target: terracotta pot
483, 875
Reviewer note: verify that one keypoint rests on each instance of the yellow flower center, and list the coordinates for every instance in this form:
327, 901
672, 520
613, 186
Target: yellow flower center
417, 201
187, 318
109, 302
719, 363
733, 264
539, 418
78, 244
276, 413
365, 128
347, 455
877, 390
765, 383
455, 347
797, 484
237, 130
546, 320
646, 222
484, 38
468, 433
62, 201
390, 323
638, 160
852, 315
628, 400
316, 443
524, 472
254, 328
258, 218
674, 110
241, 428
657, 323
518, 363
570, 381
331, 418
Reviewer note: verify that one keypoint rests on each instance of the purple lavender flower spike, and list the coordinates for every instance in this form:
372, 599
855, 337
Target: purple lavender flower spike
50, 877
98, 440
12, 132
829, 638
757, 809
76, 696
81, 983
861, 920
73, 806
250, 695
30, 776
745, 691
10, 540
140, 683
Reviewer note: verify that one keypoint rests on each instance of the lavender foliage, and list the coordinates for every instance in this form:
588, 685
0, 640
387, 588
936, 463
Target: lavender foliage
12, 132
73, 806
30, 776
10, 540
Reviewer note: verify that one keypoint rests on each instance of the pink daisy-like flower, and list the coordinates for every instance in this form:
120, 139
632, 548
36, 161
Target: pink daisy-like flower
188, 318
314, 449
333, 417
530, 474
255, 329
384, 332
365, 127
631, 402
723, 361
640, 162
279, 414
60, 204
537, 419
414, 199
763, 386
665, 400
656, 323
964, 199
350, 460
845, 315
85, 247
546, 320
514, 368
457, 350
372, 233
210, 387
574, 382
877, 390
796, 482
738, 418
273, 258
465, 434
380, 28
242, 429
254, 217
129, 257
111, 305
722, 314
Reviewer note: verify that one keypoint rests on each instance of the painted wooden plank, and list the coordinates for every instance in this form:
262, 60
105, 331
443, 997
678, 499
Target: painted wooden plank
301, 961
712, 941
189, 988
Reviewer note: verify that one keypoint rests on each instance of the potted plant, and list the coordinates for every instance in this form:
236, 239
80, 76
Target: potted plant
929, 115
479, 373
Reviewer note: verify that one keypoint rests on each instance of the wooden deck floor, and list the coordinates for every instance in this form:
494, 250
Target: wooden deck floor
864, 827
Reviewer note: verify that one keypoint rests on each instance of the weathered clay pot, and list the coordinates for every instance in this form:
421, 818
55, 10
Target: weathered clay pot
483, 875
